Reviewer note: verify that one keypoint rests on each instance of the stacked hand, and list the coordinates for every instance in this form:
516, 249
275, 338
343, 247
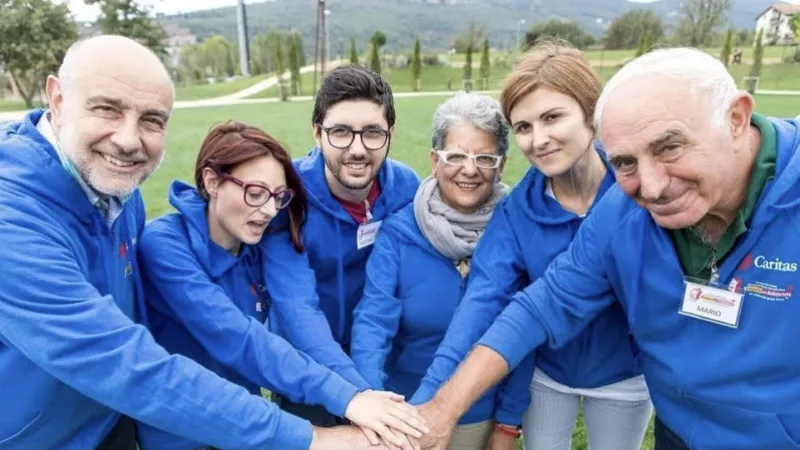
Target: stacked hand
386, 416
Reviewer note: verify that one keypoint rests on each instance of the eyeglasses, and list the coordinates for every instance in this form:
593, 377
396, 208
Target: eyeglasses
481, 161
342, 137
258, 195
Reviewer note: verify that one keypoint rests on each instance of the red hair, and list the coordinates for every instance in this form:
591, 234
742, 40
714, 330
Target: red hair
232, 144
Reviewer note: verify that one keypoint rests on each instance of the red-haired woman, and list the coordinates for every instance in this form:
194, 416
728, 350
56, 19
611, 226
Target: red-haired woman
222, 283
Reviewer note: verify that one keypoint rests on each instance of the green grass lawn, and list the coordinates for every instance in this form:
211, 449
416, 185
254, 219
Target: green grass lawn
13, 105
290, 123
218, 89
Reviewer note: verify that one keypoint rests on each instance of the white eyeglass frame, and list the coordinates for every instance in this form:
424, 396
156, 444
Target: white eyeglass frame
498, 159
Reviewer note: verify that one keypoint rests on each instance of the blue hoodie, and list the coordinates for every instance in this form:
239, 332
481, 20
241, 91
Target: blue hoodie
72, 358
716, 387
330, 237
527, 232
411, 294
213, 307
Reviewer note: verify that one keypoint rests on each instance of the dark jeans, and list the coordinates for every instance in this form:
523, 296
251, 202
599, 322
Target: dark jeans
317, 415
121, 437
666, 439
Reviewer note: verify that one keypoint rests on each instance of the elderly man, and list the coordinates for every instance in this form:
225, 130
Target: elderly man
75, 366
700, 242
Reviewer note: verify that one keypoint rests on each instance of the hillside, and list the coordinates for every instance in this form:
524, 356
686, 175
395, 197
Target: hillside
436, 24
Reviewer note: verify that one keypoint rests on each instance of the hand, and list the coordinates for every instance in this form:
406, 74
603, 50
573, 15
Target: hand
440, 424
374, 439
343, 437
502, 441
383, 412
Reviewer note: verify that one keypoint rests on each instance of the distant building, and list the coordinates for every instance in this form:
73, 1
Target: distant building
177, 39
776, 23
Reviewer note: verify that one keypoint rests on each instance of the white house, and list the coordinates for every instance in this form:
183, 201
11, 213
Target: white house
775, 21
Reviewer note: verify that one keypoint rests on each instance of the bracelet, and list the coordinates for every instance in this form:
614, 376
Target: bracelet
505, 429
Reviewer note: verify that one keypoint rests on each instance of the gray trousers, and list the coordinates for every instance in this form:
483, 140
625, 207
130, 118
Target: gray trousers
610, 424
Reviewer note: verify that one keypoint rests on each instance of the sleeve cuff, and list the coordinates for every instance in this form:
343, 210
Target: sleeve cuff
512, 339
292, 432
337, 394
351, 374
424, 393
513, 418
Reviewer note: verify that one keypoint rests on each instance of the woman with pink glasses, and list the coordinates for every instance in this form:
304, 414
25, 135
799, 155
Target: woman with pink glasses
222, 279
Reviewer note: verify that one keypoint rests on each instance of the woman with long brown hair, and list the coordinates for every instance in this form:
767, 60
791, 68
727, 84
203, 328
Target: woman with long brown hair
222, 278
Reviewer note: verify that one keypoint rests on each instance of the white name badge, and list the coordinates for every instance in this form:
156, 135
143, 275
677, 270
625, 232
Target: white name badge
712, 304
367, 233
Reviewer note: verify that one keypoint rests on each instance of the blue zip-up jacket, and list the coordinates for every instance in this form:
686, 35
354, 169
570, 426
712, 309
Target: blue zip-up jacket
411, 294
527, 232
213, 307
716, 387
330, 237
72, 359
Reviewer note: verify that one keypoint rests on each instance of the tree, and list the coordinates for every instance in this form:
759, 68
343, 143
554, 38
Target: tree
468, 70
280, 68
128, 18
485, 68
377, 41
301, 50
795, 25
758, 55
374, 58
294, 65
642, 48
699, 18
353, 52
219, 56
34, 37
568, 30
627, 31
727, 48
474, 34
416, 66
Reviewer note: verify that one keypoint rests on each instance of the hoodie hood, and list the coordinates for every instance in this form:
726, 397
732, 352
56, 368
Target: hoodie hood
404, 225
784, 193
530, 195
192, 208
393, 177
40, 161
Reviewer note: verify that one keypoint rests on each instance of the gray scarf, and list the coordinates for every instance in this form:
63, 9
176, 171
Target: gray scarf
453, 233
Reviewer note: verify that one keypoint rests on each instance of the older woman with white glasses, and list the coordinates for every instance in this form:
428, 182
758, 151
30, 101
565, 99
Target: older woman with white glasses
419, 267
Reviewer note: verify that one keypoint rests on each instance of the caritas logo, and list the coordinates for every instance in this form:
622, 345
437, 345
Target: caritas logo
763, 263
695, 294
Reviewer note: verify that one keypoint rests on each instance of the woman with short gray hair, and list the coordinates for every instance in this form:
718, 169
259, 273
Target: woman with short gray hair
419, 266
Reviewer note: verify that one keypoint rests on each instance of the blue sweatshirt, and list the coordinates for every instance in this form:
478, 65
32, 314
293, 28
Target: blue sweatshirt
527, 232
716, 387
330, 237
411, 294
72, 358
213, 307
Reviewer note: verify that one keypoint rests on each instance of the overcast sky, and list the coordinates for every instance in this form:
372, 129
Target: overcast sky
83, 12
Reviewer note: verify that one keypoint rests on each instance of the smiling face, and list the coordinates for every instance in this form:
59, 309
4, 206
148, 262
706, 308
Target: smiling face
355, 166
551, 130
464, 185
668, 153
231, 219
110, 116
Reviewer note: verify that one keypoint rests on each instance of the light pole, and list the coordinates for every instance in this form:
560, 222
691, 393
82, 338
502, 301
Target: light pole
244, 50
327, 36
519, 27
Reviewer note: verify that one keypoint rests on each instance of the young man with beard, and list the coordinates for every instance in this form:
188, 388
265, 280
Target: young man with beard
352, 186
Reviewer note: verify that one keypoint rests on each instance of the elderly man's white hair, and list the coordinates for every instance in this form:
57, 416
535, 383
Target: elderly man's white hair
706, 76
